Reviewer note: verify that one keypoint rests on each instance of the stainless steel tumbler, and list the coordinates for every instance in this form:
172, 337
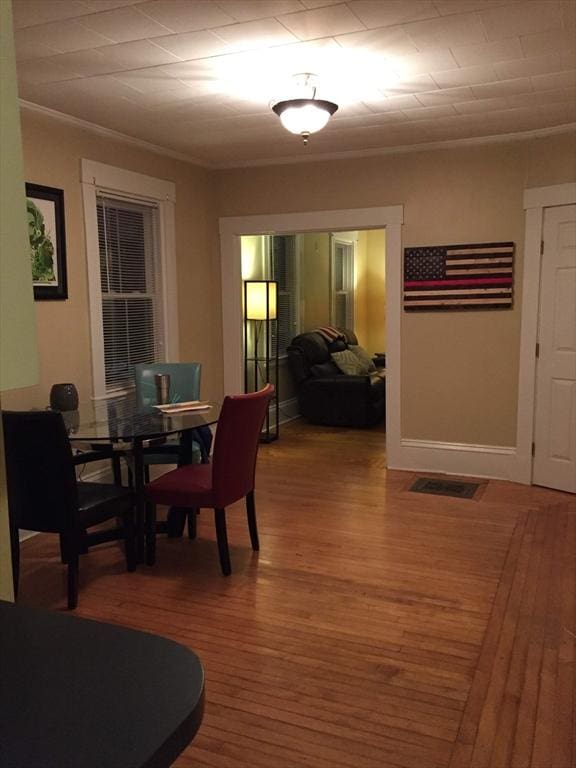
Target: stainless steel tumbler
162, 381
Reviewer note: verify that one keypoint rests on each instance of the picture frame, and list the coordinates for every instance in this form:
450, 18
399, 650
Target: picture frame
47, 233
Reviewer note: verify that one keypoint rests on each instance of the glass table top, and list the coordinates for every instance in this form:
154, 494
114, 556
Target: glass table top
120, 418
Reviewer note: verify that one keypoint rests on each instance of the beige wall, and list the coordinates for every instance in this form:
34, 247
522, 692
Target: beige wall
315, 280
459, 370
361, 289
52, 153
376, 290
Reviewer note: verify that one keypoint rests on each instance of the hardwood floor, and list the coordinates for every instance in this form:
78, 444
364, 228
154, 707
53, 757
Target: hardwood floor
377, 628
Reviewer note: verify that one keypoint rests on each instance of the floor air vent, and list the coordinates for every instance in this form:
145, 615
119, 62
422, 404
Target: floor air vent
445, 487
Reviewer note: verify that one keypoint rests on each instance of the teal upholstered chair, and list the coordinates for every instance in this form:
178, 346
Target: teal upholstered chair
184, 386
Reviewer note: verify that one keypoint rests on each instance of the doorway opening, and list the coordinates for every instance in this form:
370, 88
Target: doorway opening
389, 218
334, 279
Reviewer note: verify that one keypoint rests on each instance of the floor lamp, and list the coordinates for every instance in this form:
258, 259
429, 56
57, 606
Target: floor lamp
261, 346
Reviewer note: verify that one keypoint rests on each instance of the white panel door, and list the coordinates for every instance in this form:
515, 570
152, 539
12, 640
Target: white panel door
555, 417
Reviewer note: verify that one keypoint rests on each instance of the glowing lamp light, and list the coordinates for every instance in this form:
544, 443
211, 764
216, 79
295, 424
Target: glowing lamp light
304, 116
260, 300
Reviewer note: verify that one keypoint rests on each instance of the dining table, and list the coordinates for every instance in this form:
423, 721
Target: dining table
77, 692
131, 428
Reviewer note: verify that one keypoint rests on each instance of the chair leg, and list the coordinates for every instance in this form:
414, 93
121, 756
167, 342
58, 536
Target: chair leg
252, 525
222, 539
73, 580
176, 521
116, 469
129, 539
192, 518
150, 533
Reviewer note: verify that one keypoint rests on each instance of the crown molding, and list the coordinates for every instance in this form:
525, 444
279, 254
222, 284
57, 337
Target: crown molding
424, 147
287, 160
111, 133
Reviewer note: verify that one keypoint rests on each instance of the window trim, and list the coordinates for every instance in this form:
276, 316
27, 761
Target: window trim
350, 268
106, 179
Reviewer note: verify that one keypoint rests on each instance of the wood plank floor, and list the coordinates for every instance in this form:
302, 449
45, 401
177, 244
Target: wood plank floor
377, 628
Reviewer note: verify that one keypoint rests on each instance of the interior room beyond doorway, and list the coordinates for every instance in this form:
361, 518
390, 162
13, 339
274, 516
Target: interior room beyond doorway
324, 279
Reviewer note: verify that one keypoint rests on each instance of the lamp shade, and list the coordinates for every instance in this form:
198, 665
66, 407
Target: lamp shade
304, 116
260, 299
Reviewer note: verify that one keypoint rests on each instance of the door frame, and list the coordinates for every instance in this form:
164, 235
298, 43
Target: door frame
536, 200
389, 218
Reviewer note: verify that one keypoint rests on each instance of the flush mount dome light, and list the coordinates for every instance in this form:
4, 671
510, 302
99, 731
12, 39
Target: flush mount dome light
304, 116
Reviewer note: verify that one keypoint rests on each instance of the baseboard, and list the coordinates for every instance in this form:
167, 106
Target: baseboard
491, 461
289, 410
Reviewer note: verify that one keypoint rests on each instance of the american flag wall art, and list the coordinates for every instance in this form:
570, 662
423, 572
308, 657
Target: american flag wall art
451, 277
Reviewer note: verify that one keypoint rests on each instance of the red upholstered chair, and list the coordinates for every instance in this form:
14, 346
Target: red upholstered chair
228, 478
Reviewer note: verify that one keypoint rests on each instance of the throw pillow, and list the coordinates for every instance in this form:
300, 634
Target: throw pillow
363, 356
349, 363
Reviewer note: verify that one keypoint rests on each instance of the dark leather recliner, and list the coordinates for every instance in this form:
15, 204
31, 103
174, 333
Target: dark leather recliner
325, 394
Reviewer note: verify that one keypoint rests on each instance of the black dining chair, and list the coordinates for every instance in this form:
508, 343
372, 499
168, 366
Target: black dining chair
44, 494
227, 479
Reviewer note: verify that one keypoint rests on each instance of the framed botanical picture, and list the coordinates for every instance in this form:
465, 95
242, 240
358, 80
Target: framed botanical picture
45, 208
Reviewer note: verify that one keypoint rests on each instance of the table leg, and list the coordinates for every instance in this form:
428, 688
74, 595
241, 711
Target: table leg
138, 457
177, 515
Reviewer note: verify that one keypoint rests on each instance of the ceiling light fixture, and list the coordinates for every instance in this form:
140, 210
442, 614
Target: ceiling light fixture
304, 116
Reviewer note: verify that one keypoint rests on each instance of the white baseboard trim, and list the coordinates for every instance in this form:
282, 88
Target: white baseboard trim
288, 410
491, 461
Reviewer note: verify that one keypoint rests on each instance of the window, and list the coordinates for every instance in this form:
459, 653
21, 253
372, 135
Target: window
284, 269
130, 252
342, 284
130, 283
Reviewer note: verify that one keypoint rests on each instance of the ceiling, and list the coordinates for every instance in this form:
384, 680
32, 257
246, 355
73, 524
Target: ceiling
197, 76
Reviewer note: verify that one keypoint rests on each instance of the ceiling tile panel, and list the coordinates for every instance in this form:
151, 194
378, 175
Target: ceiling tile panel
95, 6
503, 88
83, 63
411, 84
124, 24
389, 41
449, 7
539, 98
429, 113
28, 13
255, 34
375, 13
61, 36
138, 53
466, 76
521, 19
26, 50
554, 80
424, 63
311, 4
193, 45
448, 96
488, 53
249, 10
323, 22
463, 29
44, 71
540, 65
479, 106
147, 80
548, 42
186, 15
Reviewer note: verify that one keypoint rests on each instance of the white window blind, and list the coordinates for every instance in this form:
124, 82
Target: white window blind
130, 285
343, 285
284, 269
